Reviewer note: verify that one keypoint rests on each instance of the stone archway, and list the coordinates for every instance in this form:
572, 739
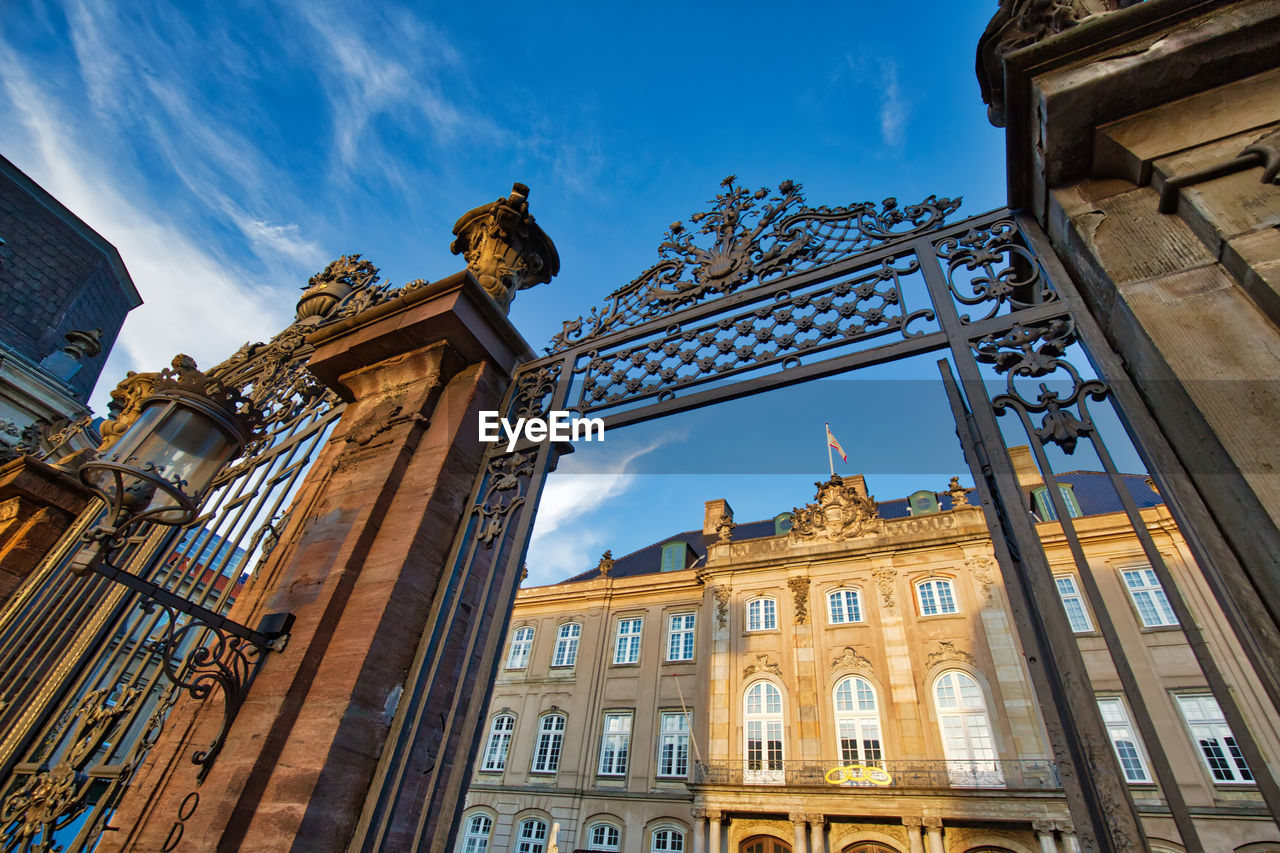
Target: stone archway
868, 847
764, 844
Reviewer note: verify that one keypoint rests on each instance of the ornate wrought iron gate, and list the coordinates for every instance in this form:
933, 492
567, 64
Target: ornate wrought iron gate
762, 291
759, 292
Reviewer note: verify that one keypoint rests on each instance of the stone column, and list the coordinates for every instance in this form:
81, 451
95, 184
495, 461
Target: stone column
37, 503
364, 565
713, 830
818, 833
1044, 834
1070, 843
933, 831
699, 830
799, 823
915, 827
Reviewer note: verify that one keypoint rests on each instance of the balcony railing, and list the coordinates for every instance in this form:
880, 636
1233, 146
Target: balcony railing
920, 774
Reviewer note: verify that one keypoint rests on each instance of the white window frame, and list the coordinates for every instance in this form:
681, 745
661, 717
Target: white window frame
615, 743
1073, 604
501, 730
567, 638
1147, 595
1212, 737
763, 734
604, 845
680, 636
844, 606
531, 837
667, 839
968, 740
626, 644
932, 602
1124, 740
521, 647
475, 839
673, 745
859, 738
550, 744
762, 614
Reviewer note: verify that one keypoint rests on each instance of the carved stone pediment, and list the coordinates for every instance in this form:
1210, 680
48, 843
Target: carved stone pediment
850, 659
762, 665
949, 652
839, 513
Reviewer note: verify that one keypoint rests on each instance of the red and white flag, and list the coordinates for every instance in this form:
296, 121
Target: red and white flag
831, 442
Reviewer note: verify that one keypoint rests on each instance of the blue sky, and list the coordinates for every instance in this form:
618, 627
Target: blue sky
230, 150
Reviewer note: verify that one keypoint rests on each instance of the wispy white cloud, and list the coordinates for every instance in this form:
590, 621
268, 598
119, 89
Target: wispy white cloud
894, 109
570, 531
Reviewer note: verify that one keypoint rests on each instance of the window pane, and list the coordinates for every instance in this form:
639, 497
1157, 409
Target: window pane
1149, 598
627, 646
1073, 604
673, 745
680, 637
1218, 747
615, 743
521, 643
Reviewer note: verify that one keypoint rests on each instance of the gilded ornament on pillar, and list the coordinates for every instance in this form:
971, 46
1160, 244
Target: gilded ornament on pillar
504, 248
125, 406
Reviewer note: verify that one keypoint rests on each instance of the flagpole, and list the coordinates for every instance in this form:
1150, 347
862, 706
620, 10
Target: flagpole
831, 463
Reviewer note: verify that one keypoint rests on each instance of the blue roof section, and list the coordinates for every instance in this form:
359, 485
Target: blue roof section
1092, 489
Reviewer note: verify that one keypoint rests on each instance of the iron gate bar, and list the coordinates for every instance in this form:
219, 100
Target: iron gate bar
1210, 550
1094, 799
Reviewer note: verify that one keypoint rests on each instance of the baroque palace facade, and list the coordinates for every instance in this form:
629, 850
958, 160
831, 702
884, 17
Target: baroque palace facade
846, 678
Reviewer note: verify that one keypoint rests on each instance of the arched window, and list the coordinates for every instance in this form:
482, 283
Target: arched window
667, 840
566, 653
495, 749
858, 721
936, 597
966, 732
546, 755
762, 614
532, 837
475, 838
763, 730
603, 836
844, 605
765, 844
521, 643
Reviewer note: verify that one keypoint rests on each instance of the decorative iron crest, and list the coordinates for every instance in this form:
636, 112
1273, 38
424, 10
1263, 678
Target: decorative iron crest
753, 236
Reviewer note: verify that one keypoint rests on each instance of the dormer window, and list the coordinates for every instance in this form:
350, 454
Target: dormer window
1043, 507
782, 524
675, 556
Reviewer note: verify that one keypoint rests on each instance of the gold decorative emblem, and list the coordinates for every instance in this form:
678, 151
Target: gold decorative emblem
859, 774
839, 513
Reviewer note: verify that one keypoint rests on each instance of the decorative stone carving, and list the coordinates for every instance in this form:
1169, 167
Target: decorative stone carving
334, 283
886, 578
913, 821
948, 652
800, 595
959, 494
762, 665
504, 248
983, 568
724, 527
721, 594
933, 823
606, 564
1020, 23
840, 513
850, 659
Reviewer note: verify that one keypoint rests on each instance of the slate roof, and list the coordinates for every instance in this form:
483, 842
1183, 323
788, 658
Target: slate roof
1092, 490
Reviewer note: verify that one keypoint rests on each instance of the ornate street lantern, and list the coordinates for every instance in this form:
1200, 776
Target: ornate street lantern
186, 432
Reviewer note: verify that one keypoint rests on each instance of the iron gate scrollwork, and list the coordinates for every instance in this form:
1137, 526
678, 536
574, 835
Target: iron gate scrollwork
90, 669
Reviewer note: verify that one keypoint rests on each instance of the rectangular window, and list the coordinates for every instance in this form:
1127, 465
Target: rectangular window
521, 643
762, 614
1149, 598
614, 744
680, 637
495, 752
1217, 745
1073, 603
627, 647
566, 653
1124, 740
844, 605
936, 597
673, 556
673, 745
546, 758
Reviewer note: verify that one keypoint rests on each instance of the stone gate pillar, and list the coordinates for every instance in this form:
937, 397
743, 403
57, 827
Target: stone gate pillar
365, 565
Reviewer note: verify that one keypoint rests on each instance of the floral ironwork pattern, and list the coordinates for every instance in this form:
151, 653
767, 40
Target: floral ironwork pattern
846, 311
534, 389
754, 237
508, 475
1034, 352
989, 266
